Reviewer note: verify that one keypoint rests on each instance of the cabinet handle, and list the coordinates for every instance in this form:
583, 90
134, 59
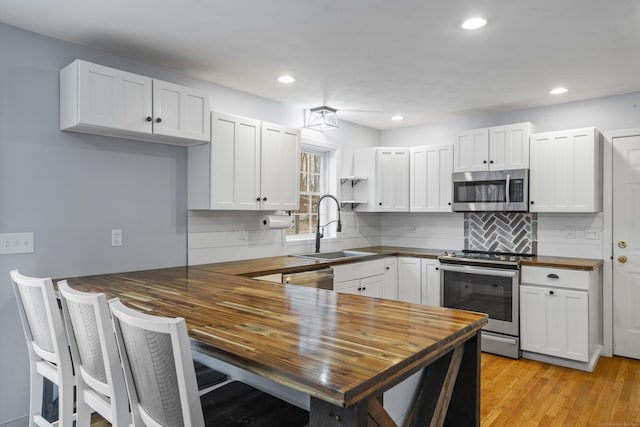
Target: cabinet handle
491, 161
484, 161
257, 199
380, 203
449, 203
553, 276
364, 289
264, 199
386, 268
159, 120
359, 289
149, 118
532, 202
550, 292
437, 268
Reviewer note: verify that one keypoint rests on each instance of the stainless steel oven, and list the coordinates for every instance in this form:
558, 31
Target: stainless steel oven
487, 287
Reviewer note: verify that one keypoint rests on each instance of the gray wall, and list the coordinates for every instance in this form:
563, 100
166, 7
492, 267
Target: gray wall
71, 189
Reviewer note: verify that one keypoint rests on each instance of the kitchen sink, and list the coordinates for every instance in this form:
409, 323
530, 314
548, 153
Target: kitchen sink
327, 256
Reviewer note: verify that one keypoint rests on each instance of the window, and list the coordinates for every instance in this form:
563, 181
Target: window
312, 185
318, 176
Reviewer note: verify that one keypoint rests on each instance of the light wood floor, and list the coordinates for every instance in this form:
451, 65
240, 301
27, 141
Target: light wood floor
522, 393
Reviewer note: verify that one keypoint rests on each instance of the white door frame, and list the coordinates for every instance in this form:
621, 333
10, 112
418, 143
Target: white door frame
607, 235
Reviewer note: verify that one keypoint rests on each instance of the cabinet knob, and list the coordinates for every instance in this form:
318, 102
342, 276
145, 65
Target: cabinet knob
532, 202
553, 276
550, 292
622, 259
386, 268
159, 120
449, 203
264, 199
359, 289
437, 268
484, 161
257, 199
148, 118
380, 204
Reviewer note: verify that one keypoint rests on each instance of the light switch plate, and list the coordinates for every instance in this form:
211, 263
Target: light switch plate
16, 243
116, 237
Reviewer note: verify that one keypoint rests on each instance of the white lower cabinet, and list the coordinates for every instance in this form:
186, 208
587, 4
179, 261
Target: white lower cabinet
390, 287
560, 313
362, 278
409, 280
431, 282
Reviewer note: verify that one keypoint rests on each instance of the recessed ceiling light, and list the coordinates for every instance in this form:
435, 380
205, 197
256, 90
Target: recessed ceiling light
397, 117
558, 91
286, 79
474, 23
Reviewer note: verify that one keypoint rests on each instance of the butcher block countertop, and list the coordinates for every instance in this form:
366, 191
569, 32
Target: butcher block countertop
587, 264
341, 349
291, 264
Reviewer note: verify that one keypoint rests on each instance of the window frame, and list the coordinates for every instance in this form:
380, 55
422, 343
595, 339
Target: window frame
329, 177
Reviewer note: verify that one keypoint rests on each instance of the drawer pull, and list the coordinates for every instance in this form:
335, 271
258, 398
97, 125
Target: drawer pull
550, 292
553, 276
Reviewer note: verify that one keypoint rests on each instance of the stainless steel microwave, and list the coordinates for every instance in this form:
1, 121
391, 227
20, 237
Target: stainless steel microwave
491, 191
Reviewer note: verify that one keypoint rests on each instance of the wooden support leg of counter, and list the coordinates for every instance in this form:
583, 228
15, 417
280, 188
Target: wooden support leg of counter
449, 392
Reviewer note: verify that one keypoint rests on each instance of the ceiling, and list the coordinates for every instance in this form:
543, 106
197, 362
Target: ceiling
370, 59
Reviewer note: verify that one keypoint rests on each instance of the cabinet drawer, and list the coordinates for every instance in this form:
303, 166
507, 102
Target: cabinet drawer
344, 286
357, 270
556, 277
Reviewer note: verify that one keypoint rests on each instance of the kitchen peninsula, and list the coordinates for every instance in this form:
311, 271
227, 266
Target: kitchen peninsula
342, 350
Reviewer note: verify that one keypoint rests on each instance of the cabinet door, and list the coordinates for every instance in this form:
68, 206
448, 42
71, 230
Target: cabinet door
392, 179
348, 287
390, 287
113, 98
409, 283
565, 173
555, 322
431, 282
471, 151
280, 165
180, 112
235, 162
430, 178
372, 286
509, 146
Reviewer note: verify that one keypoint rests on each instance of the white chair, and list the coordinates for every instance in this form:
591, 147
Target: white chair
161, 381
49, 355
99, 376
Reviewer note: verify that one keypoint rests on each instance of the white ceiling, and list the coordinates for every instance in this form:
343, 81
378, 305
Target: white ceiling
370, 59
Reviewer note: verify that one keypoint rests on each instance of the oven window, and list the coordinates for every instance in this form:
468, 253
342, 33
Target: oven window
476, 292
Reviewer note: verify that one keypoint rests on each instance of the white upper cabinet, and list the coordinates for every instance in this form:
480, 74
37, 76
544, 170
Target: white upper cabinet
430, 178
495, 148
279, 172
105, 101
566, 171
388, 190
180, 112
249, 165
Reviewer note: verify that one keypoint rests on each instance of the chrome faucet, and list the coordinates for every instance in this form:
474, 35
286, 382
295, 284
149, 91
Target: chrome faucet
318, 233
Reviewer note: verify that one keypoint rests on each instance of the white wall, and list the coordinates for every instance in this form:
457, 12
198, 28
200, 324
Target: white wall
614, 112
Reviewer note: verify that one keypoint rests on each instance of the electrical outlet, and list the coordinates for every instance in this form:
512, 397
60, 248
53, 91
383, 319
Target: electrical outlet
592, 234
570, 232
116, 237
16, 243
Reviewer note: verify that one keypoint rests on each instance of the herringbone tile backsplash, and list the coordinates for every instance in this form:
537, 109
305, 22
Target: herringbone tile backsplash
501, 231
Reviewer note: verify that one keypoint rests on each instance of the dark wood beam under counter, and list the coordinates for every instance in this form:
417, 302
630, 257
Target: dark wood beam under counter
343, 350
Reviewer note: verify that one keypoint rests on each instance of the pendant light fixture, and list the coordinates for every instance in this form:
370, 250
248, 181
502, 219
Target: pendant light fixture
322, 118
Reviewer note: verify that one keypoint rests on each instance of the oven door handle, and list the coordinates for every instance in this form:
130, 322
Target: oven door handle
475, 270
508, 188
